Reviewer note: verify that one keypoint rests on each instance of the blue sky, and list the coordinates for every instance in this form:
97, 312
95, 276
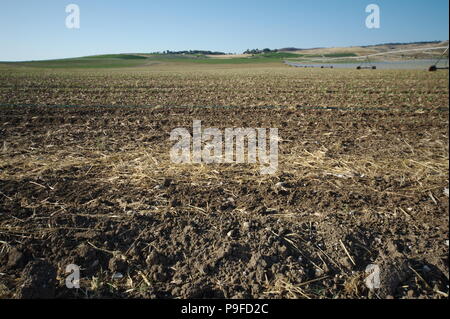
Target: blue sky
34, 30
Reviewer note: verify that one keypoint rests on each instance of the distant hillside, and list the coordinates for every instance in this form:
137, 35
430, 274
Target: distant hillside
438, 42
374, 49
133, 60
403, 43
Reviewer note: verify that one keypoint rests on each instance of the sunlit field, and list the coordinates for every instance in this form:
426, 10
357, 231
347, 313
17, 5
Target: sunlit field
86, 179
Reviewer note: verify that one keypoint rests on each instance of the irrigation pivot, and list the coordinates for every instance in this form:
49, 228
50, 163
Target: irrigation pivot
394, 59
435, 66
368, 65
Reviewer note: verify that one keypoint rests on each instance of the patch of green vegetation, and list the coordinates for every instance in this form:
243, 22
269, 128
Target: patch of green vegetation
256, 58
340, 55
117, 56
82, 63
236, 60
328, 55
171, 57
279, 55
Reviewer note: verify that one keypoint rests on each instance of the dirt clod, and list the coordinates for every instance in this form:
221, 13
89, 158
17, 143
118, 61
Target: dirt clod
16, 259
117, 264
39, 281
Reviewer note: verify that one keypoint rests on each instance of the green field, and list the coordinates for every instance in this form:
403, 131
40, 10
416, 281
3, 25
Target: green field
136, 60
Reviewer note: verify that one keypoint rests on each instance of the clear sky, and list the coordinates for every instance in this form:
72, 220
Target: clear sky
35, 29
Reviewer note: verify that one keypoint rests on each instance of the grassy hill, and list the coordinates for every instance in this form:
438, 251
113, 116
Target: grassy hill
146, 59
138, 60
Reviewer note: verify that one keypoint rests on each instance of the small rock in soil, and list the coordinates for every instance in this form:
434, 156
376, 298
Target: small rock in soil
117, 275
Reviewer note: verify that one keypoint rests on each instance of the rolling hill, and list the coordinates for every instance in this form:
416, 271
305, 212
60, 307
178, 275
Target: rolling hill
132, 60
